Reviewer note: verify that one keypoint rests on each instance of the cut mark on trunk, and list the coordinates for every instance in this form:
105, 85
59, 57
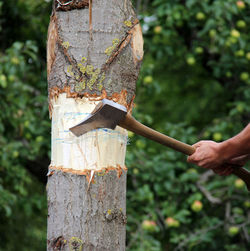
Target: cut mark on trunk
55, 39
90, 20
66, 5
65, 52
137, 44
111, 48
92, 173
64, 46
51, 44
119, 98
87, 173
50, 172
123, 43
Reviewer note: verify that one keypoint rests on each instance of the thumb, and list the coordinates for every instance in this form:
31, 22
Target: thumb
198, 144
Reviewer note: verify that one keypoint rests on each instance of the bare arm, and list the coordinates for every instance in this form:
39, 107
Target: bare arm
237, 146
210, 154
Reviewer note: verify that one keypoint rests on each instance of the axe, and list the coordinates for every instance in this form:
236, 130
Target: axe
108, 114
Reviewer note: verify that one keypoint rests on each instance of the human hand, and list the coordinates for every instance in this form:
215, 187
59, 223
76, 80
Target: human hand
207, 155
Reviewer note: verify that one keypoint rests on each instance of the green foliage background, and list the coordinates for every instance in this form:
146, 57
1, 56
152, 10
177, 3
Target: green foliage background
194, 84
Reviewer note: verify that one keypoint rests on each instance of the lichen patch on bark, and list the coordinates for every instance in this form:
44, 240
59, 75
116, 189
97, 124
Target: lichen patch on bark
123, 43
115, 215
75, 244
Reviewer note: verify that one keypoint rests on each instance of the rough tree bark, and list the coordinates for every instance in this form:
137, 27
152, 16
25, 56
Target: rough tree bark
94, 51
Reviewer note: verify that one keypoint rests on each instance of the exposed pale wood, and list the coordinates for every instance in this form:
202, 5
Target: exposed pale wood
95, 150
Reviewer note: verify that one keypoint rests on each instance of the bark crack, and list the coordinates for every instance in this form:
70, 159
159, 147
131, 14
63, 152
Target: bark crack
123, 43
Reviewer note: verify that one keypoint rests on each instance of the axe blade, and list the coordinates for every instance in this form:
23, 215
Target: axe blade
107, 114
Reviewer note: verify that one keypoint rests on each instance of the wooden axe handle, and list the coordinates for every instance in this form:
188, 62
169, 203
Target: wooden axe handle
243, 174
133, 125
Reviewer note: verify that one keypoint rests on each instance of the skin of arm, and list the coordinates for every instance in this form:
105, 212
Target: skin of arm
221, 156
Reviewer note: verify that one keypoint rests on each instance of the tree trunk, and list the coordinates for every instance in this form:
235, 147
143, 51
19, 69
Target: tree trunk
94, 51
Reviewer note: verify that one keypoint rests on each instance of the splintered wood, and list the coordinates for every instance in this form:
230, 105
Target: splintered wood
95, 150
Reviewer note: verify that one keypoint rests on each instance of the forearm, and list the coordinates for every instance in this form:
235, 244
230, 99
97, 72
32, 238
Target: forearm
237, 146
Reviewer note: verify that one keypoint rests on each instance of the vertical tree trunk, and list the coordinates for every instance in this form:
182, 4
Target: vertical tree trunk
94, 51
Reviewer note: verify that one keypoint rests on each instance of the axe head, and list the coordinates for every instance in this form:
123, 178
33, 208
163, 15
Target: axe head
107, 114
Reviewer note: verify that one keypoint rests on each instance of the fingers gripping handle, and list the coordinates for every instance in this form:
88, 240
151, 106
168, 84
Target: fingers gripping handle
133, 125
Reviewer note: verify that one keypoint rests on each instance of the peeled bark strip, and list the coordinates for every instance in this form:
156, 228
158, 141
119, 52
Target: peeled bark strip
94, 51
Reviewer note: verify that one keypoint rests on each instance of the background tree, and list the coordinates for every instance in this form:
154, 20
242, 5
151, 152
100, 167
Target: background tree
195, 74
